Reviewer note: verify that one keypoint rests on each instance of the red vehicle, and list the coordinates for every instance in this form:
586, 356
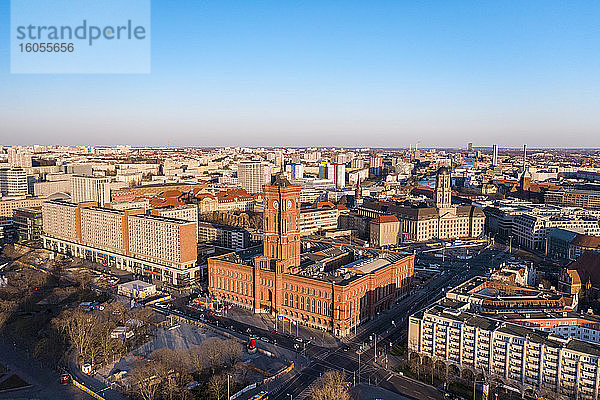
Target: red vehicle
251, 346
64, 379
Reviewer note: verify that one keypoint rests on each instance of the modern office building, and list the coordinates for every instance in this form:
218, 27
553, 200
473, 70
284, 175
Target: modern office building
28, 223
188, 212
334, 172
226, 236
322, 216
48, 188
589, 199
512, 353
150, 245
384, 231
531, 231
13, 182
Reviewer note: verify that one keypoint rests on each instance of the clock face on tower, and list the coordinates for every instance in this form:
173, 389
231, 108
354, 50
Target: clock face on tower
289, 204
275, 204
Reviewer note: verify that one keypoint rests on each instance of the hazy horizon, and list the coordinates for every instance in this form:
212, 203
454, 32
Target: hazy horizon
333, 74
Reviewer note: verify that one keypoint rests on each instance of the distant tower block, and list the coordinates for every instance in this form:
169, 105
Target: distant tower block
524, 156
495, 155
469, 147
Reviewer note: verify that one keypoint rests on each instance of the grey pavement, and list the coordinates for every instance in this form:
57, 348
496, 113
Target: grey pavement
366, 392
45, 381
266, 321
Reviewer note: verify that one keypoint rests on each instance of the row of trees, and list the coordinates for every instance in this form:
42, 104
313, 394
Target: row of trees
429, 368
30, 303
89, 332
243, 220
167, 372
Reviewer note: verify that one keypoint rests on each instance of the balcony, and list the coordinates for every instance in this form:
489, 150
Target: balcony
569, 370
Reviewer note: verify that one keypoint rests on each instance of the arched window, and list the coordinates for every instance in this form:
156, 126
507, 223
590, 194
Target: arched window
312, 309
296, 303
318, 306
285, 299
302, 302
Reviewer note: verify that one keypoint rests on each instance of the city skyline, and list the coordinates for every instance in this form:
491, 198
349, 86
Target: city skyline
309, 74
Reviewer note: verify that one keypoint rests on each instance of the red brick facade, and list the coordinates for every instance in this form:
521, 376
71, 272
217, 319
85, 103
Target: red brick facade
272, 283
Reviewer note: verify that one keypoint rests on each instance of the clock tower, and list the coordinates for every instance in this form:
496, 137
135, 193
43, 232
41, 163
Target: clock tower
281, 233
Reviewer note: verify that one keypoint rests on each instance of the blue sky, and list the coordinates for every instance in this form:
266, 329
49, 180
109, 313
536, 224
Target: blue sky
331, 73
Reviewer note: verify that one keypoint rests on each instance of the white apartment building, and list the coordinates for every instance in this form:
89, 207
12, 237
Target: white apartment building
19, 158
524, 358
93, 188
13, 182
253, 175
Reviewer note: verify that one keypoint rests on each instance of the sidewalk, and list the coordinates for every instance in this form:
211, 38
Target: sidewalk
44, 380
267, 322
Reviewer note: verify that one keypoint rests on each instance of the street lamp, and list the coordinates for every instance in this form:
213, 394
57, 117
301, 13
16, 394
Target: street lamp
228, 397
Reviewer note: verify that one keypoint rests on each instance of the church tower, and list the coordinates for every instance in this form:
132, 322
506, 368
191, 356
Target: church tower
358, 199
281, 233
443, 189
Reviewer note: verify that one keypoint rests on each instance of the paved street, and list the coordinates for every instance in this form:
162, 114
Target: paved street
324, 352
45, 381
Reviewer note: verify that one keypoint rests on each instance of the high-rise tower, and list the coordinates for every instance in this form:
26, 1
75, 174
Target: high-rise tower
281, 234
443, 189
252, 175
495, 155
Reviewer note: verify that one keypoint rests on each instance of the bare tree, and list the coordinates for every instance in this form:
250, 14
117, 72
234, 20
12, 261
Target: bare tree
216, 386
213, 350
174, 371
197, 358
232, 352
147, 379
108, 346
7, 308
330, 386
81, 328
